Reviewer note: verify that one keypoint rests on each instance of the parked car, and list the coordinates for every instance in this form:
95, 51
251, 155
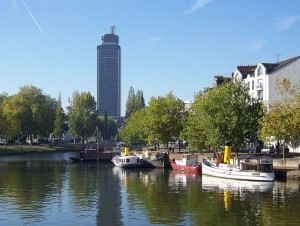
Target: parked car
18, 142
255, 149
243, 150
268, 149
3, 142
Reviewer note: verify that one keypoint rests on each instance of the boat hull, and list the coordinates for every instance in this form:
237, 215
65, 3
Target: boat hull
175, 166
209, 168
93, 156
160, 162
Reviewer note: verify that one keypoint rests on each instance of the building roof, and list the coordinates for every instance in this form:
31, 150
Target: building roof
246, 70
272, 67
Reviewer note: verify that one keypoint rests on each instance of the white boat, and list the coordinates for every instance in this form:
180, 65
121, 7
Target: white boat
253, 168
128, 161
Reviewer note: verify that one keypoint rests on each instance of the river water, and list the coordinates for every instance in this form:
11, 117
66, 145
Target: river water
43, 189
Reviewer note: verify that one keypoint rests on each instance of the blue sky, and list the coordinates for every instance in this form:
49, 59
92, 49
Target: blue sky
167, 45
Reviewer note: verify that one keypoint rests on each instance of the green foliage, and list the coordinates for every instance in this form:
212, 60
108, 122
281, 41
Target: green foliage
225, 113
82, 114
135, 129
108, 129
29, 112
3, 121
60, 117
135, 102
161, 121
165, 118
282, 118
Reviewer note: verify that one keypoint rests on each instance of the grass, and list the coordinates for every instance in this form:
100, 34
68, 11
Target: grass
24, 149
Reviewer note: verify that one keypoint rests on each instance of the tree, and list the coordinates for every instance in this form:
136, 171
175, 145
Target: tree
29, 112
82, 114
165, 118
224, 113
108, 127
3, 121
135, 102
139, 100
60, 118
135, 128
282, 118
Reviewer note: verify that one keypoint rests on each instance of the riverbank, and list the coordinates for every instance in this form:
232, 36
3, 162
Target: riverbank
25, 149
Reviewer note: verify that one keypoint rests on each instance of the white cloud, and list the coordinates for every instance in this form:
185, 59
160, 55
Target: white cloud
197, 5
286, 22
257, 45
156, 39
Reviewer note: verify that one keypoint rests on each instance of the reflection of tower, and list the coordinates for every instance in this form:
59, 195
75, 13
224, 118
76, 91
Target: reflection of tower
109, 200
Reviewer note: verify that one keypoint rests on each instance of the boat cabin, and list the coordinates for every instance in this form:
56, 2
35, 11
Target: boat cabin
261, 164
188, 160
128, 160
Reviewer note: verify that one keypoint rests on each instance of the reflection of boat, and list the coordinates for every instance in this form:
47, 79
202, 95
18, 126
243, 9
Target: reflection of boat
189, 162
99, 151
187, 174
212, 183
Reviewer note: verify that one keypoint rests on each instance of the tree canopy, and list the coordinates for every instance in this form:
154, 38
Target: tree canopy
135, 102
29, 112
165, 118
135, 129
60, 117
282, 117
82, 114
161, 121
224, 113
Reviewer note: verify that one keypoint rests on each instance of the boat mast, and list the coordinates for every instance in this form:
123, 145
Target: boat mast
97, 138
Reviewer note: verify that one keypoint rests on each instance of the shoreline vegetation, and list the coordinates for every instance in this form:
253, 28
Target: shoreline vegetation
27, 149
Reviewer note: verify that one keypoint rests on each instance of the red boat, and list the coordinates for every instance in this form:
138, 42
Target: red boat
189, 162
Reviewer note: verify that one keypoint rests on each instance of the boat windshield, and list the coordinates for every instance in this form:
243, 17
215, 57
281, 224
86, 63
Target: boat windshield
257, 167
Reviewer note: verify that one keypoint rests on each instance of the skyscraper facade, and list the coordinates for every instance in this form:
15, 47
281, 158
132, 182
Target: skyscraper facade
109, 75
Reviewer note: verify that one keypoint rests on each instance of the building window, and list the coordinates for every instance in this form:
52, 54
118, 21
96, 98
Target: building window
252, 85
260, 95
259, 71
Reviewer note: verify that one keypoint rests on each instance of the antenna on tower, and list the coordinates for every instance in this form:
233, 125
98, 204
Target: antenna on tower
278, 57
113, 30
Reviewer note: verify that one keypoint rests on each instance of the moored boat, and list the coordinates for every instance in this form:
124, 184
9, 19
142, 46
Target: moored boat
125, 160
246, 167
128, 161
158, 160
99, 151
89, 155
189, 162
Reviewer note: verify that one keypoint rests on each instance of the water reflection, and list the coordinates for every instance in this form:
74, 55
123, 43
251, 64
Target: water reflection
40, 190
235, 186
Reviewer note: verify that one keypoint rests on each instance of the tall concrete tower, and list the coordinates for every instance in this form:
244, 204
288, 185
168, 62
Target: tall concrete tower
109, 75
